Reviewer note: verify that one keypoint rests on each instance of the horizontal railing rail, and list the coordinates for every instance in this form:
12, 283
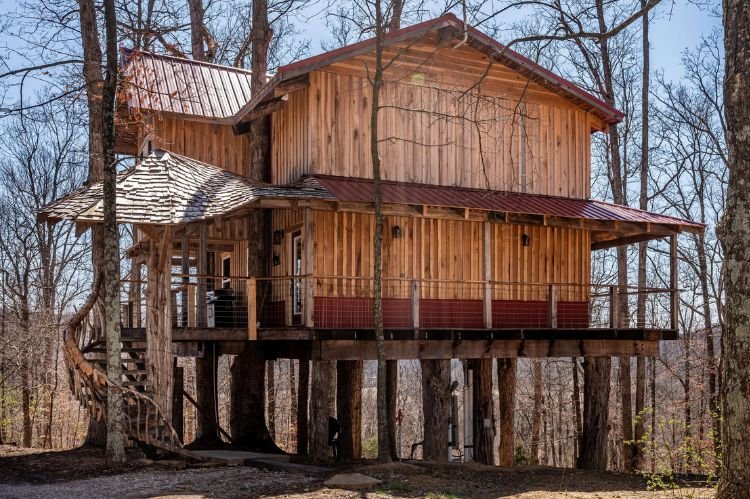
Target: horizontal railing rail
335, 302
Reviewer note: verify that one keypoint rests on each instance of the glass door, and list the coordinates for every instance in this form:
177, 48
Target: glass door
297, 273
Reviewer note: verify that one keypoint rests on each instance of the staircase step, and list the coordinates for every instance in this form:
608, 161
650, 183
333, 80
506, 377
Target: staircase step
133, 372
122, 350
142, 382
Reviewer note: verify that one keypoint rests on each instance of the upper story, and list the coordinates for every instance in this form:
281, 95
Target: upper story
456, 109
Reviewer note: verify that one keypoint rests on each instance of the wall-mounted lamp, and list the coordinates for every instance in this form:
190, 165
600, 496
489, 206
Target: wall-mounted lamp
276, 259
525, 240
396, 232
278, 235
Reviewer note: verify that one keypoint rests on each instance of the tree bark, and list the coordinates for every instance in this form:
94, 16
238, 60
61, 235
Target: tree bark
538, 411
735, 239
576, 410
319, 451
252, 430
111, 262
349, 407
506, 385
596, 387
271, 390
484, 420
92, 74
206, 378
248, 404
626, 408
436, 380
376, 80
302, 406
391, 395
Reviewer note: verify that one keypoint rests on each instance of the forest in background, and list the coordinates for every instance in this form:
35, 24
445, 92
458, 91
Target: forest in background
46, 269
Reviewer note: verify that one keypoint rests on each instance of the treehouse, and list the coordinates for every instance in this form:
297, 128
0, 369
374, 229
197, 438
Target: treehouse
489, 224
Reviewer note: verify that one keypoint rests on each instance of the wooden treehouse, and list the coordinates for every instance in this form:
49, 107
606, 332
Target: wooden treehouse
489, 222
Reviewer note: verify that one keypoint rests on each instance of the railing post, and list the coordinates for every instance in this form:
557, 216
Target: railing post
201, 307
415, 296
552, 306
675, 293
308, 307
614, 312
252, 309
487, 272
487, 303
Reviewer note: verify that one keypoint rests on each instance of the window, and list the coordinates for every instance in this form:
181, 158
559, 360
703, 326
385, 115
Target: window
226, 271
297, 271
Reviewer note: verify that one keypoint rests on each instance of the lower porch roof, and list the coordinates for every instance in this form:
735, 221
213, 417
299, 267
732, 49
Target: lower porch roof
170, 189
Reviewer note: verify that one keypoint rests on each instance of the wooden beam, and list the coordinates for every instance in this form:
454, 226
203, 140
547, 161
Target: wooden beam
474, 349
200, 297
263, 109
289, 86
552, 299
622, 241
252, 308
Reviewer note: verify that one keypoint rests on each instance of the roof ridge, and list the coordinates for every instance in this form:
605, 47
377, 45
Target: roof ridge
130, 52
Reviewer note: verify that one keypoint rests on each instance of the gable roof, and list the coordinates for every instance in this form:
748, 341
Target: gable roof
180, 86
475, 38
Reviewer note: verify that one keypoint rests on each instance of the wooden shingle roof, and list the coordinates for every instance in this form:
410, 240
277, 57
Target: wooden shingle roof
167, 188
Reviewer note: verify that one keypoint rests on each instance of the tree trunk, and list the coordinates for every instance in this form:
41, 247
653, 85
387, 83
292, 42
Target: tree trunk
248, 404
206, 380
436, 381
626, 408
596, 387
92, 74
576, 410
538, 412
391, 395
506, 385
178, 415
196, 29
735, 239
349, 407
271, 390
250, 423
111, 263
302, 405
293, 405
640, 366
319, 450
26, 401
376, 80
484, 420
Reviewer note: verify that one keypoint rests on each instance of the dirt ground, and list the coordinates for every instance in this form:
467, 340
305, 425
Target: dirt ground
80, 473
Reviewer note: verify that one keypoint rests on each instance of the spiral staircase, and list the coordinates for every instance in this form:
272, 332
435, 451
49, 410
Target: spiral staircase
85, 355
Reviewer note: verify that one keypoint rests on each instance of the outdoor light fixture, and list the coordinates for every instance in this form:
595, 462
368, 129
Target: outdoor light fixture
525, 240
278, 235
276, 259
396, 232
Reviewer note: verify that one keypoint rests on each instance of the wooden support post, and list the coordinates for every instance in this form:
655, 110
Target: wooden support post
484, 420
349, 407
178, 416
673, 283
487, 268
614, 307
303, 390
252, 309
185, 261
308, 240
552, 300
319, 450
200, 300
416, 294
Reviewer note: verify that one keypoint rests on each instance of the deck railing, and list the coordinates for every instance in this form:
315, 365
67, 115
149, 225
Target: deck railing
333, 302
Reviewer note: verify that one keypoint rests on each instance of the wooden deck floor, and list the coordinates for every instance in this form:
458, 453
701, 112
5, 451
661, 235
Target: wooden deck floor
351, 344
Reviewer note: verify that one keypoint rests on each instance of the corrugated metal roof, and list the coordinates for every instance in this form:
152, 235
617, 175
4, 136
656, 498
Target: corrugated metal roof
480, 41
360, 190
183, 86
167, 188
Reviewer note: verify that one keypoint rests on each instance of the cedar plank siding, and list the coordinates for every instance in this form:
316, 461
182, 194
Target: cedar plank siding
431, 133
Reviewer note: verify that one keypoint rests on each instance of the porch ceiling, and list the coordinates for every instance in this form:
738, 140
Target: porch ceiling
167, 188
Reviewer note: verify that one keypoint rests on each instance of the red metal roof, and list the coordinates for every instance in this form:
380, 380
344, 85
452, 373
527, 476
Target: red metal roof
363, 191
184, 86
476, 38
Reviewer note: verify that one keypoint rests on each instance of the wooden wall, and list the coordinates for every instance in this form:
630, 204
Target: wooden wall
444, 251
211, 143
438, 126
